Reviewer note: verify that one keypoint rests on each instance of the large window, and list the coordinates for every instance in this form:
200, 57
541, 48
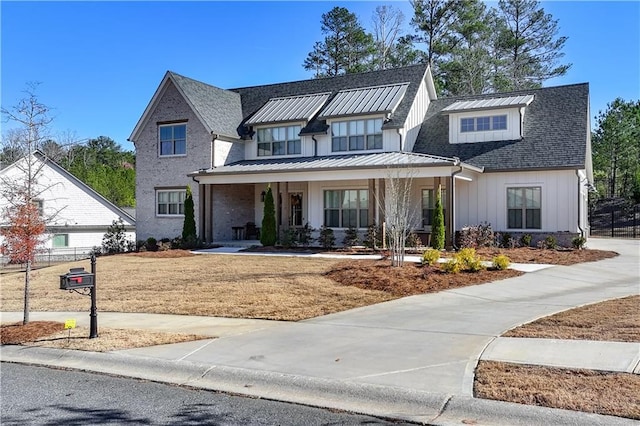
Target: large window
356, 135
429, 205
60, 240
279, 141
524, 208
480, 124
173, 139
170, 203
346, 208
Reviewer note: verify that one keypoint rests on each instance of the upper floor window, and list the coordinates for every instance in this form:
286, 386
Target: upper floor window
524, 208
170, 202
479, 124
346, 208
356, 135
173, 139
38, 204
279, 141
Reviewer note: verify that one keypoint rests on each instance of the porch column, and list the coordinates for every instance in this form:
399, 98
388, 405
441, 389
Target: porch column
286, 211
202, 200
448, 218
208, 214
276, 201
380, 202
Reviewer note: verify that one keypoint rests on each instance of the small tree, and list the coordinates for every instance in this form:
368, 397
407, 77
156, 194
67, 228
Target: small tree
189, 226
437, 223
268, 235
115, 240
400, 214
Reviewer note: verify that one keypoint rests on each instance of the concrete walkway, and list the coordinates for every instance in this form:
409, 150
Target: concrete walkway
411, 358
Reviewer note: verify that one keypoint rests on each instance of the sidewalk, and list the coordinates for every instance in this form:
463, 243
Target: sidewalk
411, 358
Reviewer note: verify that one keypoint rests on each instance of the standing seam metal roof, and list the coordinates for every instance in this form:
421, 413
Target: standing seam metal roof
366, 100
292, 108
504, 102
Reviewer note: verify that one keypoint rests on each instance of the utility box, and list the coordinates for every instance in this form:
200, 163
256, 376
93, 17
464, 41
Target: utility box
77, 278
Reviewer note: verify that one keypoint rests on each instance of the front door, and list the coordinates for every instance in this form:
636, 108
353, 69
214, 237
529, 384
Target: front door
295, 213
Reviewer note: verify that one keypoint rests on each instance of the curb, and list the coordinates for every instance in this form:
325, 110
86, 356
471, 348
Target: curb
380, 401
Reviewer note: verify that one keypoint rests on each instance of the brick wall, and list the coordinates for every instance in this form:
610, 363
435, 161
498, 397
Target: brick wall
233, 205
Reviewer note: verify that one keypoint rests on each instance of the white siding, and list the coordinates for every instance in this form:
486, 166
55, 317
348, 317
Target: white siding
416, 117
511, 133
485, 199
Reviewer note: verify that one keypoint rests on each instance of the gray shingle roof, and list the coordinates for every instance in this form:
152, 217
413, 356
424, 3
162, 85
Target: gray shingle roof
254, 98
556, 128
219, 109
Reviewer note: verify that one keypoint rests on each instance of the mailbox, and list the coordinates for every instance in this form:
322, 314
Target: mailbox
77, 278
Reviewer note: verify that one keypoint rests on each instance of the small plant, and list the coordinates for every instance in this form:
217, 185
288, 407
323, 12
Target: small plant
550, 242
501, 262
413, 241
430, 257
477, 236
350, 237
115, 240
469, 260
452, 266
437, 223
289, 238
578, 242
525, 240
151, 244
373, 239
304, 235
505, 240
327, 239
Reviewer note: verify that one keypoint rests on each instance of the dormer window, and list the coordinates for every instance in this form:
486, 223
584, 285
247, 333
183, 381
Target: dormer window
479, 124
279, 141
356, 135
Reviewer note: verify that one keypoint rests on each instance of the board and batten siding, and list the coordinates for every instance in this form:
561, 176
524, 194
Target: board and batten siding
415, 117
485, 199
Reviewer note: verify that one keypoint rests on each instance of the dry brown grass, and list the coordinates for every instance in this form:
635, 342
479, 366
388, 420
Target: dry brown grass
52, 334
599, 392
614, 320
278, 288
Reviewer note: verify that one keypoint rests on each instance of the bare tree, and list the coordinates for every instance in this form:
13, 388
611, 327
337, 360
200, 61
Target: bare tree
387, 23
400, 213
24, 216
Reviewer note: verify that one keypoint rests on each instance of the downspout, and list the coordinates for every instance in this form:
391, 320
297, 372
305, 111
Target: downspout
213, 149
315, 145
400, 139
579, 212
453, 201
521, 122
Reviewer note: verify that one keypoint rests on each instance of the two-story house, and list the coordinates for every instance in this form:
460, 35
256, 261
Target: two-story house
327, 147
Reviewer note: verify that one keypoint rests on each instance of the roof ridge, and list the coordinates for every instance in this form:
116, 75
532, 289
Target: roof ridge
513, 92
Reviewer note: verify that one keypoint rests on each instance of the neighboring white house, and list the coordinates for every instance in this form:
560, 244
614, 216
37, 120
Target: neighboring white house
520, 161
77, 217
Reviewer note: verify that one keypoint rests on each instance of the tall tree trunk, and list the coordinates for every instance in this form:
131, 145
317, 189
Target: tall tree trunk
27, 281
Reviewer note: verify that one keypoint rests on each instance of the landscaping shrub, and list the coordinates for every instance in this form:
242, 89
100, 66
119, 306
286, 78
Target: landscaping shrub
115, 240
289, 238
501, 262
430, 256
413, 241
550, 242
451, 266
477, 236
304, 235
373, 239
525, 240
268, 235
327, 239
151, 244
578, 242
469, 260
350, 237
189, 224
437, 223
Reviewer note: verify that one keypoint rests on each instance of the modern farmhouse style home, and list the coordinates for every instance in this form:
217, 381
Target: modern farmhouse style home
520, 161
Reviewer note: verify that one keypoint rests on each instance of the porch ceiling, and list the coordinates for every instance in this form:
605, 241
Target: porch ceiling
334, 167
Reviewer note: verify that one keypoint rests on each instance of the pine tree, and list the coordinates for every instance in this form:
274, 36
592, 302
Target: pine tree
268, 235
437, 223
189, 226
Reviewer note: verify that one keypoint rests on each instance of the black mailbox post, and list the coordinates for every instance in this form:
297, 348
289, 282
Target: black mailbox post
78, 278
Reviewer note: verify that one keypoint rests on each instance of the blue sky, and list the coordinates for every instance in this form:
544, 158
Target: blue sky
99, 63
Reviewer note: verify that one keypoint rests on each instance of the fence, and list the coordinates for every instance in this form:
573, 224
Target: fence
615, 221
50, 256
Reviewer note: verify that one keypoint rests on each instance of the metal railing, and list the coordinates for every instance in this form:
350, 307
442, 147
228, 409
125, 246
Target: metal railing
50, 256
616, 223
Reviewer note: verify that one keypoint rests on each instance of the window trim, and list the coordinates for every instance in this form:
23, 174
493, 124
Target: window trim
170, 190
286, 141
359, 208
173, 140
364, 134
465, 128
523, 209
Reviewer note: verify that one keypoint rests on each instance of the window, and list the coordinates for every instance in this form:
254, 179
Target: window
39, 204
356, 135
480, 124
523, 208
60, 240
170, 203
173, 139
429, 205
279, 141
346, 208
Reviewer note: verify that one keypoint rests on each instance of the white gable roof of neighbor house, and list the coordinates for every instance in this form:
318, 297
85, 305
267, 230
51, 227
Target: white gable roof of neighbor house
72, 203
